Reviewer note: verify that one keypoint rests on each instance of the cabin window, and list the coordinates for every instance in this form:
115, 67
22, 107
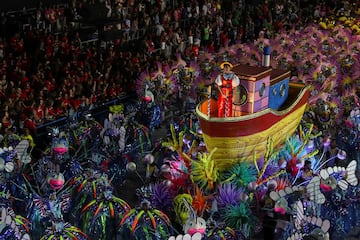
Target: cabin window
241, 95
282, 90
262, 89
274, 91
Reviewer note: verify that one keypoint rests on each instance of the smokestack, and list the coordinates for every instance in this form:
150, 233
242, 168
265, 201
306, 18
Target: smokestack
266, 56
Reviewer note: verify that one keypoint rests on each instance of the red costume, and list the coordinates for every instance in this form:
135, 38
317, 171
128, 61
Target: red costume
226, 82
195, 50
225, 98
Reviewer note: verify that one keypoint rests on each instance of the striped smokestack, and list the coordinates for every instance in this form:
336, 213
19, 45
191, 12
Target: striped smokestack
266, 56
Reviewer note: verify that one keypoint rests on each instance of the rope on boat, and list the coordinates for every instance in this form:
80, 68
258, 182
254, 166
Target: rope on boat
226, 103
209, 100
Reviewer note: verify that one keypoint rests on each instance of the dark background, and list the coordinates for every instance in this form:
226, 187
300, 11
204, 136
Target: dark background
13, 5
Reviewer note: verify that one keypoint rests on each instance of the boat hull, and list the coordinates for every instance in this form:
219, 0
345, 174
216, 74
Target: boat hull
242, 138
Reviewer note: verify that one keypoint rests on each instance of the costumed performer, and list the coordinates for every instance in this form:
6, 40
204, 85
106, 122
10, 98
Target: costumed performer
226, 82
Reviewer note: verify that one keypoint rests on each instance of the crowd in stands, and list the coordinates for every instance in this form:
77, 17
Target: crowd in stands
47, 70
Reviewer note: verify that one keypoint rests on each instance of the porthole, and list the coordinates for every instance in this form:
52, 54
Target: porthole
262, 89
274, 91
282, 90
240, 96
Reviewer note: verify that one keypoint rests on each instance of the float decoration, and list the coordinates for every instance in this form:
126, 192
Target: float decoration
145, 222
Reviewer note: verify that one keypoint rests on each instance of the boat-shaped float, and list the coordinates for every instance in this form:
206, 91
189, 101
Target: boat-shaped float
265, 104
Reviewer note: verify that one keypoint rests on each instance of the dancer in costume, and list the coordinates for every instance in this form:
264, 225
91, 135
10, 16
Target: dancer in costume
226, 82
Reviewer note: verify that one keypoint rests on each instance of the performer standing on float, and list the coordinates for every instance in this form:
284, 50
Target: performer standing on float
226, 82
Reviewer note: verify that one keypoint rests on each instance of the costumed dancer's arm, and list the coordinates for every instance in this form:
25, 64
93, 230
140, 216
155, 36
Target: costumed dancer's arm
235, 81
218, 82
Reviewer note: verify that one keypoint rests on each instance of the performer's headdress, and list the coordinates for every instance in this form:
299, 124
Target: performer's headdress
226, 63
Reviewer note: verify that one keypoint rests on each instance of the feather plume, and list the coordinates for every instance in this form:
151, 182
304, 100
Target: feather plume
241, 174
162, 196
229, 194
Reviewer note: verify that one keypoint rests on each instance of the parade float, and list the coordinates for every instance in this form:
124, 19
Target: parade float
305, 188
265, 105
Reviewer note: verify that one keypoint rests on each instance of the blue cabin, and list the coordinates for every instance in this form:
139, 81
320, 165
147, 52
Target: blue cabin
279, 88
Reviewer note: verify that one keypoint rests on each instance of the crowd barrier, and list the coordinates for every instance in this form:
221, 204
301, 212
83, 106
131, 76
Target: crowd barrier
98, 113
